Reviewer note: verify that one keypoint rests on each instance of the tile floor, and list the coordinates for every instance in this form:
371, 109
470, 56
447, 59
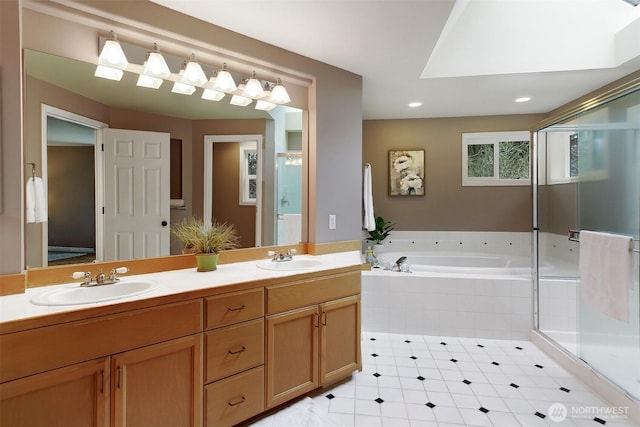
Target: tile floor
420, 381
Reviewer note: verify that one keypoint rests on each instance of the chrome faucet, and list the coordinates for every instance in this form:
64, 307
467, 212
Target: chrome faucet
282, 256
101, 278
398, 265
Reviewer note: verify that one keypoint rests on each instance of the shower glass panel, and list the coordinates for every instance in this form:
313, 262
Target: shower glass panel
589, 179
289, 193
557, 255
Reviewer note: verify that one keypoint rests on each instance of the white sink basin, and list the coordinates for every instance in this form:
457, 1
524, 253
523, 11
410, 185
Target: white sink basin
294, 264
75, 294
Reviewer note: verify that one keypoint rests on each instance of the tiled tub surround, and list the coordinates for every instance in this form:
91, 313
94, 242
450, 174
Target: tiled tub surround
430, 304
511, 243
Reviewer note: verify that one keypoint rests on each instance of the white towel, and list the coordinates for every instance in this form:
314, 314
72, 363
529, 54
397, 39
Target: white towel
606, 272
367, 198
36, 201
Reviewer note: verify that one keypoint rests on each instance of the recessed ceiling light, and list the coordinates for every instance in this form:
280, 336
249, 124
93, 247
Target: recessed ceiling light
523, 99
415, 104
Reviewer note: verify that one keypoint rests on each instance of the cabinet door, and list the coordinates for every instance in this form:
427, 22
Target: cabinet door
340, 339
159, 385
292, 354
77, 395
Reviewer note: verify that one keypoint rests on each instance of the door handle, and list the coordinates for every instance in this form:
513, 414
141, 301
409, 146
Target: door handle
164, 223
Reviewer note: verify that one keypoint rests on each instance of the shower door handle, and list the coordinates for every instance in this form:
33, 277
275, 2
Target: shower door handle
574, 235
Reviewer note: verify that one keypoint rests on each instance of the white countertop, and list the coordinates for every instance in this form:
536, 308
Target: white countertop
19, 306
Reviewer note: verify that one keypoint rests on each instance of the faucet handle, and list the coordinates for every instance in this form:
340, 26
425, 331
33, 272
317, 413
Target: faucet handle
78, 275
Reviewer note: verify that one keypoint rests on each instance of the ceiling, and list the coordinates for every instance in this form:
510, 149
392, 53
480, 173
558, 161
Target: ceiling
457, 57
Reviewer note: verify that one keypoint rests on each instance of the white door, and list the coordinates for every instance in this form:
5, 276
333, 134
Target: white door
136, 194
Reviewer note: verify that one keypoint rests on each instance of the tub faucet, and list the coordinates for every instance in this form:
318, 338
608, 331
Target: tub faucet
398, 265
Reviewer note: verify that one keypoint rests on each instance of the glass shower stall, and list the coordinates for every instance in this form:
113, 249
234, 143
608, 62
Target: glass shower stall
587, 179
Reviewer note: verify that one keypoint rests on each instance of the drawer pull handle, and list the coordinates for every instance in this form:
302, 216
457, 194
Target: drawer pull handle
236, 308
238, 351
242, 400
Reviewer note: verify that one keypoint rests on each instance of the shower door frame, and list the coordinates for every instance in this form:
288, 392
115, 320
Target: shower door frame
590, 104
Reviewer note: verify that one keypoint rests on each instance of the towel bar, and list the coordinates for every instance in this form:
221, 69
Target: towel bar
574, 236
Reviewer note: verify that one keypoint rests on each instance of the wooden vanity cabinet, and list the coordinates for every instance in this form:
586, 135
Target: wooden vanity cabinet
136, 368
73, 396
158, 385
234, 357
313, 334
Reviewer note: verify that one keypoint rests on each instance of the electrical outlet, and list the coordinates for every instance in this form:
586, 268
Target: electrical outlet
332, 222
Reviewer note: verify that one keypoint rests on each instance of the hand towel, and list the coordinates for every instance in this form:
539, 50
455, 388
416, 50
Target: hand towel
36, 201
31, 201
41, 201
606, 272
367, 198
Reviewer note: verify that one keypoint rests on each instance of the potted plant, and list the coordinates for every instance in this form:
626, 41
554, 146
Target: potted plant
381, 232
205, 240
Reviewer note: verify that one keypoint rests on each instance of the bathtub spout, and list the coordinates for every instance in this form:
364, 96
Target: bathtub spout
398, 265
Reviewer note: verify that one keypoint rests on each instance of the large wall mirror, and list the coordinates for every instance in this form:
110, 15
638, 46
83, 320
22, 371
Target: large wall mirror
255, 181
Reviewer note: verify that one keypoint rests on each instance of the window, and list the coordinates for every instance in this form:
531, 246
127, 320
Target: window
248, 175
495, 158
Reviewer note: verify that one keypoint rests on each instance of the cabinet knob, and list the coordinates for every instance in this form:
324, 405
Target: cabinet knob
164, 223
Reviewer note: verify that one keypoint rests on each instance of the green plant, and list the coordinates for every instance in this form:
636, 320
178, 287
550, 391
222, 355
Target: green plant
200, 237
382, 230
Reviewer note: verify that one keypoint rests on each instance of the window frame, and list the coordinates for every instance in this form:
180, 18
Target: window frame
493, 138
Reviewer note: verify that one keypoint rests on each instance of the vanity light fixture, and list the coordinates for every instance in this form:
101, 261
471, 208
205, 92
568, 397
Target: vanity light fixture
108, 73
112, 60
253, 88
112, 54
183, 88
193, 74
224, 81
210, 93
279, 94
155, 65
238, 99
265, 105
148, 81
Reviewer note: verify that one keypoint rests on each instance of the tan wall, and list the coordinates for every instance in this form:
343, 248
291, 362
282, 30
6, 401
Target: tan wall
226, 178
447, 205
71, 196
217, 127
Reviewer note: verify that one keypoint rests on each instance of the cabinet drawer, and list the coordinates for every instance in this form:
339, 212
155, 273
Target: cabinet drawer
299, 294
234, 399
234, 307
234, 349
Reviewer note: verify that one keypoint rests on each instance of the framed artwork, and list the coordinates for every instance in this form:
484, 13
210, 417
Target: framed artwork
248, 175
406, 173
